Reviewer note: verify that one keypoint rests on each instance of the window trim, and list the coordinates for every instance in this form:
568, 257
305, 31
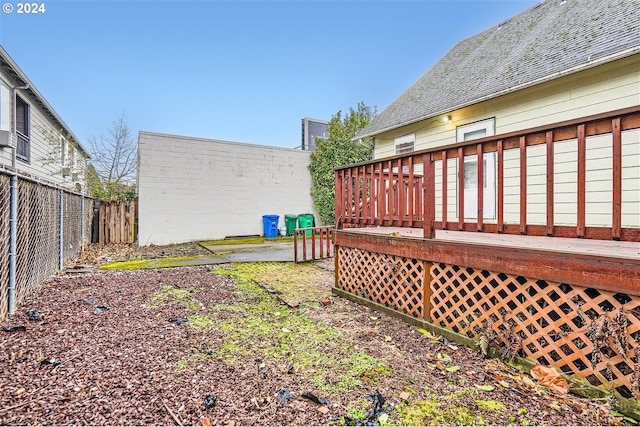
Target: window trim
487, 124
26, 135
405, 140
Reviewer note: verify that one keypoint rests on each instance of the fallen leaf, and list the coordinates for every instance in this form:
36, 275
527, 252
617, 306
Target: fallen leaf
373, 318
550, 378
405, 395
231, 423
498, 377
425, 332
205, 421
20, 390
324, 410
387, 339
484, 387
285, 330
503, 383
440, 365
555, 405
444, 357
453, 368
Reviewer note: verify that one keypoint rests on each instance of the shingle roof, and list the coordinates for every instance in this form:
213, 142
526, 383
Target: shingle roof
553, 38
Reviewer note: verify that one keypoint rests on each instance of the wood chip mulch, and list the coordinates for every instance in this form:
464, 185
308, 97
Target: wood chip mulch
100, 351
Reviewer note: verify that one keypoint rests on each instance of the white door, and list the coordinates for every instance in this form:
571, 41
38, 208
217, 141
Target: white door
467, 133
471, 186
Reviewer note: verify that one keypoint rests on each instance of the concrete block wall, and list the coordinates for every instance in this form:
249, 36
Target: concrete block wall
200, 189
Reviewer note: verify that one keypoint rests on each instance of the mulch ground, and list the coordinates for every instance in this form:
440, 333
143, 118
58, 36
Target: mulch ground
99, 349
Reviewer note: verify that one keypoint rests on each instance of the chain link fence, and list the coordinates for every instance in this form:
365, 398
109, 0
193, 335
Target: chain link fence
50, 226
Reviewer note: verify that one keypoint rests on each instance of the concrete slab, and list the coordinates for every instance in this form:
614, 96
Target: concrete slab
260, 252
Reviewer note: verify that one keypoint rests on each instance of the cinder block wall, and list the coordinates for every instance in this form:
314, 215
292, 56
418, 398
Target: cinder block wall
200, 189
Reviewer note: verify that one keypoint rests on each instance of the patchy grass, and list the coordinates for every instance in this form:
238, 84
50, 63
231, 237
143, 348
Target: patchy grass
294, 283
269, 329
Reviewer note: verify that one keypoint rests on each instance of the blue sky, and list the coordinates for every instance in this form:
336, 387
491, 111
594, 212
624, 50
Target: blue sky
237, 71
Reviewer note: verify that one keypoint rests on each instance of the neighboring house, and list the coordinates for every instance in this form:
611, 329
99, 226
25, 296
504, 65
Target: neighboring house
312, 129
46, 149
44, 214
503, 201
203, 189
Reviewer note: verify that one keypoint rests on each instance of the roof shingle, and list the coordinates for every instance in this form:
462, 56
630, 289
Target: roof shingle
551, 38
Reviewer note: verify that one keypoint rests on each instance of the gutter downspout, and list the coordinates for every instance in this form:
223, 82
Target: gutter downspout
61, 229
13, 210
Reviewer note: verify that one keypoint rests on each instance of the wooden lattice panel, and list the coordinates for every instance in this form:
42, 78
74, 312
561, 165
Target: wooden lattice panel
582, 331
392, 281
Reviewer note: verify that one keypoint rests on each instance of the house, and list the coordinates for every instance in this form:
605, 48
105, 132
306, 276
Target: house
503, 201
204, 189
44, 213
46, 149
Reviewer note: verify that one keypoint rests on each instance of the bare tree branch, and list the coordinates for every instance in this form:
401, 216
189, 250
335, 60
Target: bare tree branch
115, 158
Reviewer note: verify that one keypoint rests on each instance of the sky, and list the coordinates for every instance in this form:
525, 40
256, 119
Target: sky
244, 71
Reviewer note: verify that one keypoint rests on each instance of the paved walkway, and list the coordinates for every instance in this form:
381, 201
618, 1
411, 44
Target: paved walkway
259, 252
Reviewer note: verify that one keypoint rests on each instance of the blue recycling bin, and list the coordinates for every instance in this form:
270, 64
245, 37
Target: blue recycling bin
270, 225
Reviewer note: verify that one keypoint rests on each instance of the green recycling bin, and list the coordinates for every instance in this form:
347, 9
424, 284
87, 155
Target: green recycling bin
306, 221
290, 222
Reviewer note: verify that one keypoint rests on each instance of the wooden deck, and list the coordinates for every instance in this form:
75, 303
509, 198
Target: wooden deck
535, 278
604, 248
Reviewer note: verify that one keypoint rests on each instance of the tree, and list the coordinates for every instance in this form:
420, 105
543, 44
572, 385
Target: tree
338, 149
114, 163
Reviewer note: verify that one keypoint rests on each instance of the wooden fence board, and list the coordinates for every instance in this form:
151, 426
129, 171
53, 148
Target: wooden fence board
118, 222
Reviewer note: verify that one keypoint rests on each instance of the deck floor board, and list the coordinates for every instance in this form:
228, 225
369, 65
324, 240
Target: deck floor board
607, 248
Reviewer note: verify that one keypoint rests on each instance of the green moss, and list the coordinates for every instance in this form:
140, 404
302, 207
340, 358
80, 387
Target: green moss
490, 405
375, 373
143, 264
433, 413
170, 294
201, 322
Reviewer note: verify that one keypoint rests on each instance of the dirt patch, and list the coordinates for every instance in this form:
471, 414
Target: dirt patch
223, 345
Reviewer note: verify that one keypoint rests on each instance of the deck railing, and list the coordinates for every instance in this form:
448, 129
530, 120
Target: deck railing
313, 243
563, 180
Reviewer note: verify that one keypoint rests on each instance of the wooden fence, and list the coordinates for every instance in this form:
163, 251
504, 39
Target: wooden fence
118, 222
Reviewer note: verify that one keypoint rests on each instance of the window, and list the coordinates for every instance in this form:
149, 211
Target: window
405, 144
23, 149
476, 130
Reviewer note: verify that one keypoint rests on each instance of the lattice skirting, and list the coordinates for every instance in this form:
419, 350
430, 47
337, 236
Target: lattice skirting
392, 281
584, 332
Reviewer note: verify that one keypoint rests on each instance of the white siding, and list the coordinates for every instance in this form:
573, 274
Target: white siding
609, 87
631, 178
199, 189
45, 156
